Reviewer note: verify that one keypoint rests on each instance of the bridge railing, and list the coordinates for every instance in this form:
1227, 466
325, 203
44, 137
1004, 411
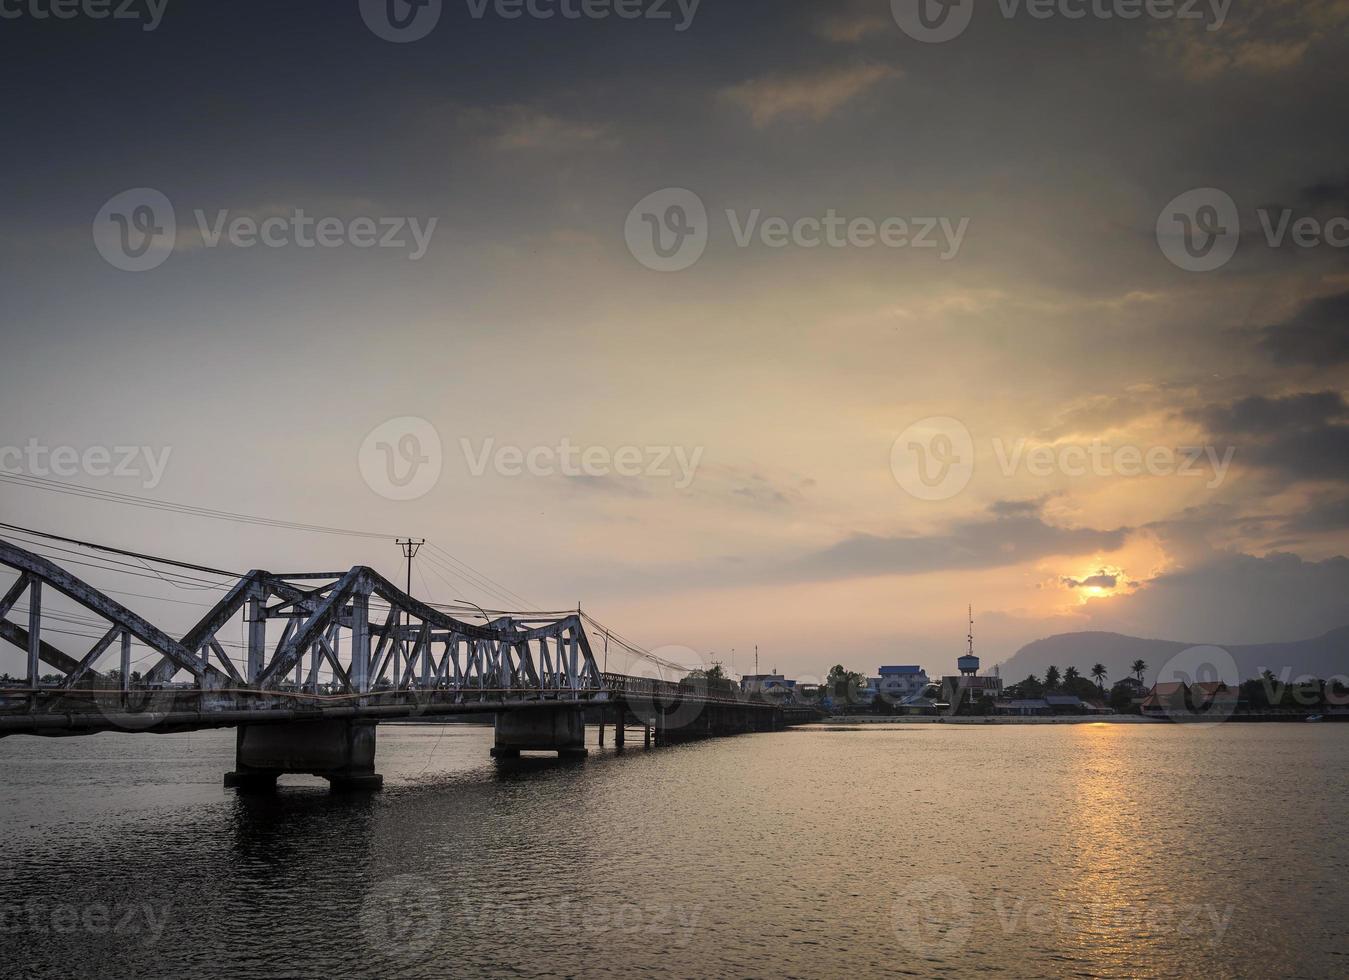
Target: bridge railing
723, 692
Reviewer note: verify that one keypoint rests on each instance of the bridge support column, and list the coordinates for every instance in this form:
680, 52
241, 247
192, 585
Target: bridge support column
560, 730
342, 752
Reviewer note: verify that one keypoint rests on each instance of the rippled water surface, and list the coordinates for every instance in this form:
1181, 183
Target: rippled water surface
1081, 850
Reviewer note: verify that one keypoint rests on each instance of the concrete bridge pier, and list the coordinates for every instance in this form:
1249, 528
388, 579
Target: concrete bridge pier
342, 752
542, 729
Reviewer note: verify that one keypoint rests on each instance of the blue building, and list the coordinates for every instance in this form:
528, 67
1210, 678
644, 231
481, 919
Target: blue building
902, 681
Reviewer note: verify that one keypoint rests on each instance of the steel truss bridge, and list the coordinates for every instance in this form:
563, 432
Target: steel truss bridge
384, 655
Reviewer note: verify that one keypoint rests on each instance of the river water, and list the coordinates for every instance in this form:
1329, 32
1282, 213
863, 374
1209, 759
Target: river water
1074, 850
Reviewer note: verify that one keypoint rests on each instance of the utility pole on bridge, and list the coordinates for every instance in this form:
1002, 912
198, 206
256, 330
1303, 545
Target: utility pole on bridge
410, 548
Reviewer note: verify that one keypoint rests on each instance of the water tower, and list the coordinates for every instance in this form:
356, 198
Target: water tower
969, 664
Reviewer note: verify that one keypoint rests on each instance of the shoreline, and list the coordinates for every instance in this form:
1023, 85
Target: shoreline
1074, 720
993, 720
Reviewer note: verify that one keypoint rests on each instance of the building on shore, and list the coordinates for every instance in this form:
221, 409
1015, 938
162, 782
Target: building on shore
1166, 698
762, 685
1023, 707
1179, 698
900, 682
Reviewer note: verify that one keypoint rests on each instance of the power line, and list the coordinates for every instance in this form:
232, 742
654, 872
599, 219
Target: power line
478, 579
471, 586
118, 551
438, 556
109, 563
512, 596
113, 496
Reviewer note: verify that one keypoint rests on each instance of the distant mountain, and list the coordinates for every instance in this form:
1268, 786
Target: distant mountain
1323, 656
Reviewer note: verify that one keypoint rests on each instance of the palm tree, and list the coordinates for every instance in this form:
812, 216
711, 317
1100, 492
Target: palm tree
1052, 676
1070, 675
1138, 667
1098, 671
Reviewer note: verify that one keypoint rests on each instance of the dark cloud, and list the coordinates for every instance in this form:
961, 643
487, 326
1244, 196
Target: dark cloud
974, 544
1101, 580
1317, 334
1328, 193
1301, 437
761, 494
1322, 454
1017, 508
1322, 515
1258, 415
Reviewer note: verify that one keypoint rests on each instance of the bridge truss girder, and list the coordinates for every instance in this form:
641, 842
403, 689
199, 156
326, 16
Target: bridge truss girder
410, 647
